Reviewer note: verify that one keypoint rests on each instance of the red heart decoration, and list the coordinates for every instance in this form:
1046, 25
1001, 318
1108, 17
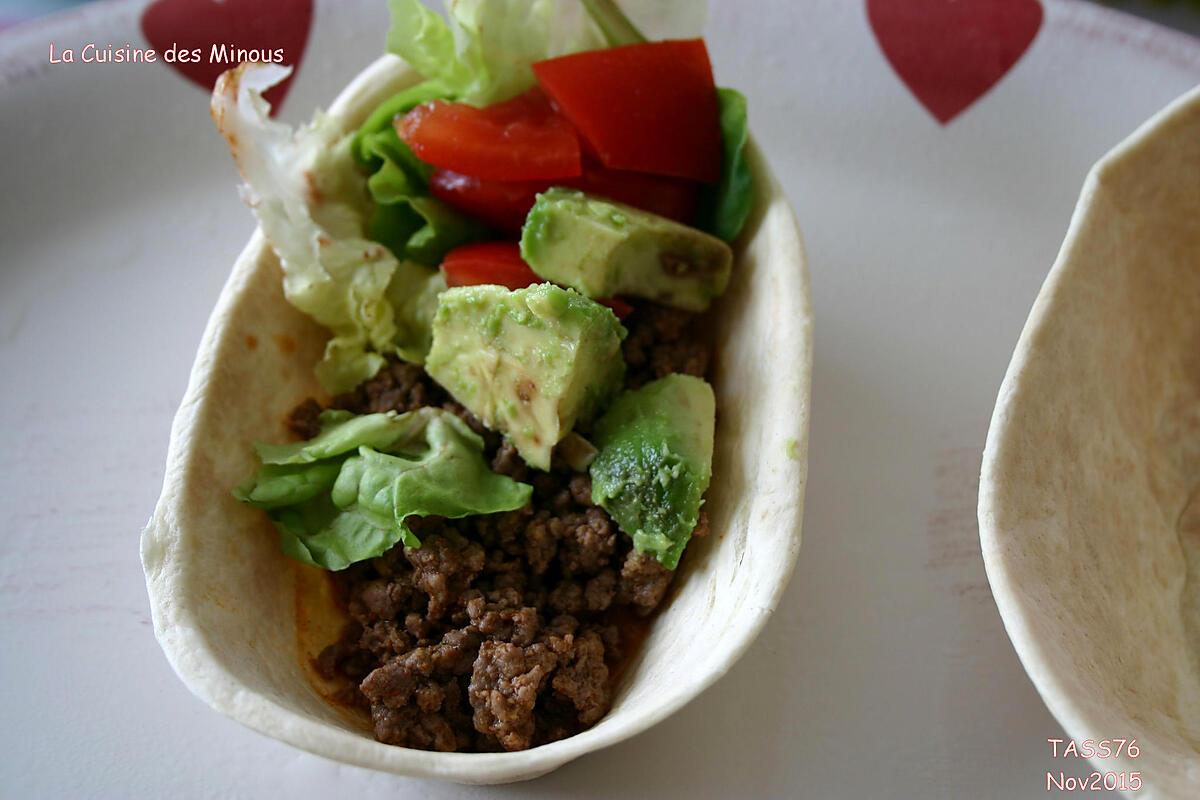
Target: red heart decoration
949, 53
264, 25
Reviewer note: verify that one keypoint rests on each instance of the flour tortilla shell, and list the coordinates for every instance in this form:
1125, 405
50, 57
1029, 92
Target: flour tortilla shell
1089, 521
224, 598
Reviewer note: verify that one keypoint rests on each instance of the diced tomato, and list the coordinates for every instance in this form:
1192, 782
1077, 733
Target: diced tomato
504, 204
518, 140
500, 204
642, 107
673, 198
499, 263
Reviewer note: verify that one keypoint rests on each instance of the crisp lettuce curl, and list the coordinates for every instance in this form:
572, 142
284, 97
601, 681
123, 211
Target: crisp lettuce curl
349, 266
344, 495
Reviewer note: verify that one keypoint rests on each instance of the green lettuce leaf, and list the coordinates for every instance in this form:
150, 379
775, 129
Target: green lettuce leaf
412, 224
406, 219
278, 485
319, 533
345, 495
444, 481
313, 205
365, 143
399, 174
482, 54
343, 433
725, 205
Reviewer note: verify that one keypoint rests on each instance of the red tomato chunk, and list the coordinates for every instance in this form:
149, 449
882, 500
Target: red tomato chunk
500, 204
504, 204
518, 140
497, 263
643, 107
500, 264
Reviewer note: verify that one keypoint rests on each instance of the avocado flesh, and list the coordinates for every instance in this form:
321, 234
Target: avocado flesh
655, 461
605, 249
529, 363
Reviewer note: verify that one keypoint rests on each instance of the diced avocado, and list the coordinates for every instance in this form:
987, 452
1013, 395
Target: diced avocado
605, 249
655, 461
529, 363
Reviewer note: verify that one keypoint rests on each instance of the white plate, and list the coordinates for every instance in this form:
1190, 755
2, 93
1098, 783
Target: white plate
886, 671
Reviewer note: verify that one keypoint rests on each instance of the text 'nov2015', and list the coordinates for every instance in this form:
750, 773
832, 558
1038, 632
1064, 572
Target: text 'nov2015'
1096, 750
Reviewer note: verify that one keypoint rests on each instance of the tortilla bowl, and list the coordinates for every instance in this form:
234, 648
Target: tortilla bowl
226, 601
1089, 502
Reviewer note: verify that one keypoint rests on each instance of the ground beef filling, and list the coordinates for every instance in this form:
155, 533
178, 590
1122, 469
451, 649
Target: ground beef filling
662, 341
501, 632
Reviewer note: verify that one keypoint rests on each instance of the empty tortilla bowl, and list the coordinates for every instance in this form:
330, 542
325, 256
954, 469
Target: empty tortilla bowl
1089, 502
239, 621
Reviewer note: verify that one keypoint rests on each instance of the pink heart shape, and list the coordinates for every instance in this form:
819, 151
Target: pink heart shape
264, 25
949, 53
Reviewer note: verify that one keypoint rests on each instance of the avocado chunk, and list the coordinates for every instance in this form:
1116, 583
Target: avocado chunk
655, 461
529, 363
605, 249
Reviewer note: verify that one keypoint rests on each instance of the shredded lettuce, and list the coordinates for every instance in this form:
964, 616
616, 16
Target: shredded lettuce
344, 495
317, 211
422, 38
481, 55
414, 292
725, 205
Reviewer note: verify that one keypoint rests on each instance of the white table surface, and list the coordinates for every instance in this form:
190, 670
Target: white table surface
886, 671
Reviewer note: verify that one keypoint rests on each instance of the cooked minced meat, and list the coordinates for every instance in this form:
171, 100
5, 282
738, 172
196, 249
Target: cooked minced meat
662, 341
501, 632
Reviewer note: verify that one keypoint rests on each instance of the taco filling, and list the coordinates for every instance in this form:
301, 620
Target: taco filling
517, 260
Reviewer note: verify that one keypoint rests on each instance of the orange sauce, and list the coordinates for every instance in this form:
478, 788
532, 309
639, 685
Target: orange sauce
321, 615
633, 630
